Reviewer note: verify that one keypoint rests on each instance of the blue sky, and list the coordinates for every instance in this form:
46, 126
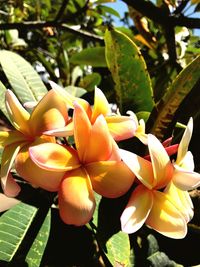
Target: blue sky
121, 7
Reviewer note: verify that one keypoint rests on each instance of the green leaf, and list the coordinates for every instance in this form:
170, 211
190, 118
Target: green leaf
25, 81
118, 249
2, 100
37, 249
163, 113
94, 57
90, 81
129, 72
13, 227
106, 9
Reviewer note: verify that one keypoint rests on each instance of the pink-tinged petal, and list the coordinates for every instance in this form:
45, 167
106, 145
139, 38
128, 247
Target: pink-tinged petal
54, 157
167, 142
121, 127
62, 132
162, 166
10, 137
137, 210
50, 113
185, 180
101, 105
33, 174
100, 144
7, 202
76, 198
183, 146
109, 178
165, 218
181, 200
70, 99
82, 129
115, 153
18, 115
8, 157
11, 189
139, 166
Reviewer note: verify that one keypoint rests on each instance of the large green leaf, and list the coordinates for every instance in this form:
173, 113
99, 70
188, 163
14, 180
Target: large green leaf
94, 57
24, 80
129, 72
2, 100
14, 224
163, 114
37, 249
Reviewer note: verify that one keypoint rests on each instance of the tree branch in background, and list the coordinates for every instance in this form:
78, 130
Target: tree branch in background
61, 10
156, 14
42, 24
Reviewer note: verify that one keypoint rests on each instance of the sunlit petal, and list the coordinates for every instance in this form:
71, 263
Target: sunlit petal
181, 200
137, 210
19, 116
162, 167
140, 132
165, 218
70, 99
33, 174
7, 202
61, 132
109, 178
99, 146
139, 166
183, 146
185, 180
50, 113
82, 129
121, 127
76, 198
7, 138
101, 105
54, 157
8, 157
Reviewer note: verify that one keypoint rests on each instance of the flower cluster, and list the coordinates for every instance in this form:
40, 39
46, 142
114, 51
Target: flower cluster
79, 155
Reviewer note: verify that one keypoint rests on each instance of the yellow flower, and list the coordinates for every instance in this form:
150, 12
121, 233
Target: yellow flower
50, 113
148, 203
120, 127
95, 164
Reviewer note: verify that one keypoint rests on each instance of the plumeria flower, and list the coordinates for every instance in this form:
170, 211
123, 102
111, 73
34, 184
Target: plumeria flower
95, 165
50, 113
148, 203
120, 127
184, 162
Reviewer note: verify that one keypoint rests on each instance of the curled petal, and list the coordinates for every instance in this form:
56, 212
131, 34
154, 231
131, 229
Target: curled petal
18, 115
70, 99
35, 175
162, 166
76, 198
140, 132
110, 178
181, 200
61, 132
100, 142
50, 113
82, 129
101, 105
183, 146
11, 189
121, 127
141, 167
8, 157
137, 210
7, 202
165, 218
187, 162
54, 157
185, 180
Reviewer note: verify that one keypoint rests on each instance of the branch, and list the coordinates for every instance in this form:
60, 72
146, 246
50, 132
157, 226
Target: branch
156, 14
42, 24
